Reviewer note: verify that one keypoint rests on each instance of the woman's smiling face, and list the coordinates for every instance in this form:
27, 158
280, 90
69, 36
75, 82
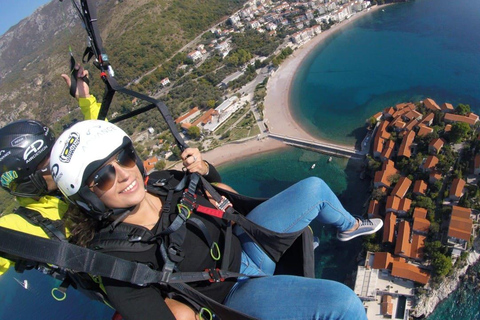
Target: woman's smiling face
119, 182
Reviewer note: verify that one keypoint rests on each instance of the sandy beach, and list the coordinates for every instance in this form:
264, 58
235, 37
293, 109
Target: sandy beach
277, 108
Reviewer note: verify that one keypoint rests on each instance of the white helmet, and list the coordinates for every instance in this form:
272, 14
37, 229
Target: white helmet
78, 153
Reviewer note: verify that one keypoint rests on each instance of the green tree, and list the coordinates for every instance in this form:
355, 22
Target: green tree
462, 109
378, 194
194, 132
160, 165
460, 130
371, 122
431, 248
425, 202
441, 264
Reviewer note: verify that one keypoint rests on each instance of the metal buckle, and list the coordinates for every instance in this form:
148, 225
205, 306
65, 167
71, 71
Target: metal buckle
215, 275
224, 204
189, 199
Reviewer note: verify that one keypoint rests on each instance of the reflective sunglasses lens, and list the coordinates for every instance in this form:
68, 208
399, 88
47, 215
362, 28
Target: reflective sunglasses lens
105, 178
126, 158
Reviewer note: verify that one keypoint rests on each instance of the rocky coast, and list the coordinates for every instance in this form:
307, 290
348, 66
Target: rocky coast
427, 302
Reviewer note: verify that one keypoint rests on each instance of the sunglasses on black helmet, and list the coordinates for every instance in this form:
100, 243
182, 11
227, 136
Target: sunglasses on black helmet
105, 177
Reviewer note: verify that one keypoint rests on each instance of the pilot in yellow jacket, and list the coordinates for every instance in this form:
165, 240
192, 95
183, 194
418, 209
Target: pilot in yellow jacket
24, 156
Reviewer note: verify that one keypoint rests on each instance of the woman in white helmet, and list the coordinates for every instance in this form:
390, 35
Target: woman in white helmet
96, 168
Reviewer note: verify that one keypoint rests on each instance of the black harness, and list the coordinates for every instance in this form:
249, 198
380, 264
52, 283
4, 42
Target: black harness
293, 252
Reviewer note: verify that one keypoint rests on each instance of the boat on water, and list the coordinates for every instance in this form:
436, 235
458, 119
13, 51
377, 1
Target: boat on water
313, 166
23, 283
330, 159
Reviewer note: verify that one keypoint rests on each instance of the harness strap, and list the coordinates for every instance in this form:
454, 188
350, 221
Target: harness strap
74, 76
69, 256
53, 229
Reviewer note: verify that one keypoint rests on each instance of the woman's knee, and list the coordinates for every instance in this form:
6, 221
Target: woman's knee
312, 183
351, 307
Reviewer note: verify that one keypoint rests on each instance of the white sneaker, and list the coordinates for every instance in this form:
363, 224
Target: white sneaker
365, 226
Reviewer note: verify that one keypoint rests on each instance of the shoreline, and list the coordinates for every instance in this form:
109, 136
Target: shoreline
277, 112
278, 107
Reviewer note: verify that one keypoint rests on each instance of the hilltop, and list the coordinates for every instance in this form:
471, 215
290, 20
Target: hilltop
138, 36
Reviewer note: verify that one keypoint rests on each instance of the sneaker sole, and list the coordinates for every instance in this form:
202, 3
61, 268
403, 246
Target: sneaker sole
361, 234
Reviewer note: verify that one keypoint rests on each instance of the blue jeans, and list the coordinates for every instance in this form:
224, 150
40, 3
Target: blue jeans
293, 297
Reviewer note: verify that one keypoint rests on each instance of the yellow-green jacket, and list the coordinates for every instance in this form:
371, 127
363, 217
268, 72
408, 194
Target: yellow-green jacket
49, 207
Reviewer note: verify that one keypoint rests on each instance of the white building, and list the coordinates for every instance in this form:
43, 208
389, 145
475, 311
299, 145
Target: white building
223, 112
195, 55
165, 82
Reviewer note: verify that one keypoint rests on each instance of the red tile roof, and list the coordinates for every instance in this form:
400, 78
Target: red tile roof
206, 117
447, 107
460, 226
401, 187
418, 246
373, 208
410, 272
421, 225
456, 190
386, 306
149, 164
402, 105
405, 204
389, 227
384, 260
378, 116
402, 245
436, 144
434, 176
450, 117
461, 212
424, 130
404, 149
388, 150
431, 104
388, 112
186, 115
393, 203
413, 123
430, 163
420, 213
383, 177
428, 118
413, 114
420, 187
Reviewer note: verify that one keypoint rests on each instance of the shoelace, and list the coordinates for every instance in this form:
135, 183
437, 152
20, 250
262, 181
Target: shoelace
364, 222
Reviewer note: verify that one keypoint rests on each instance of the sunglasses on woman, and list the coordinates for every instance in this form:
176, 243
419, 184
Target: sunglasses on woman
104, 178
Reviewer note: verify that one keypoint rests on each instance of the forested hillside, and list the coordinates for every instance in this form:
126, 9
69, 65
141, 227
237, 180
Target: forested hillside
138, 35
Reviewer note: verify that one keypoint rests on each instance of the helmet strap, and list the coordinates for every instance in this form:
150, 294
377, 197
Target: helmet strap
39, 182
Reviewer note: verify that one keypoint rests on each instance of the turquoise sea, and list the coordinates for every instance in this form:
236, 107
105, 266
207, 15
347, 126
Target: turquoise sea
424, 48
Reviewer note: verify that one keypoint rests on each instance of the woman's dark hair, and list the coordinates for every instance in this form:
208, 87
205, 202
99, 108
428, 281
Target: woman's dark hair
81, 226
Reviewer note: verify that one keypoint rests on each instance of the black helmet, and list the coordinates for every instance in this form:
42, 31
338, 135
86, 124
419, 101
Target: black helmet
24, 144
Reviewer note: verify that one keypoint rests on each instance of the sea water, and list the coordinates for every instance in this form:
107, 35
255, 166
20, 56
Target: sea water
404, 52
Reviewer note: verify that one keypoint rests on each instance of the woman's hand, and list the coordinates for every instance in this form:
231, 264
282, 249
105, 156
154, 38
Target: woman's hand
193, 162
